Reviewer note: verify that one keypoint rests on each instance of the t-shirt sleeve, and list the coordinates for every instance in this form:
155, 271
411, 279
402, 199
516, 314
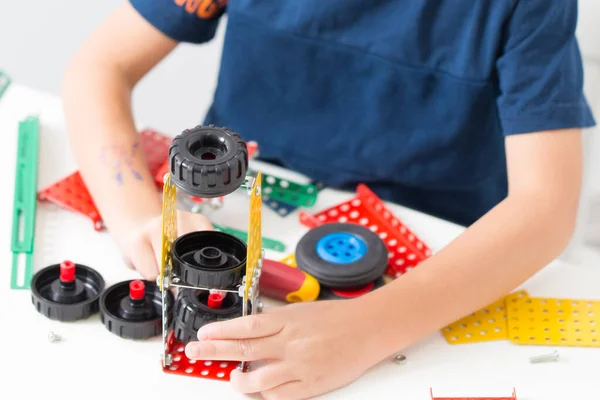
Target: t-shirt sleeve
540, 71
189, 21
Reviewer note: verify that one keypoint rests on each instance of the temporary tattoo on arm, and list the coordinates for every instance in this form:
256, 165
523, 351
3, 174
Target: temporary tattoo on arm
119, 160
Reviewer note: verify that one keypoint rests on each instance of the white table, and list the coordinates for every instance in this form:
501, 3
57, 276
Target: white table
91, 363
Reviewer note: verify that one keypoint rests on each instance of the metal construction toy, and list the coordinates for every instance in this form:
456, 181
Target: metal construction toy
215, 273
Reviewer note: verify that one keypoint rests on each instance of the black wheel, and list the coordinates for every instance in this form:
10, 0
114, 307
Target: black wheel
208, 161
209, 259
342, 256
67, 291
341, 294
133, 309
193, 310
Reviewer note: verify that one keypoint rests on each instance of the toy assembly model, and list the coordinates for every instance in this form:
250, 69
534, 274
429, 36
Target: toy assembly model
216, 275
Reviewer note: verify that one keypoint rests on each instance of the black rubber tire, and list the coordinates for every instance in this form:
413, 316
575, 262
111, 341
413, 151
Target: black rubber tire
140, 328
191, 312
347, 276
208, 161
193, 273
46, 296
329, 293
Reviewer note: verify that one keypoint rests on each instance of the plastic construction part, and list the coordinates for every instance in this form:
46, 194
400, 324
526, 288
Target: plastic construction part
288, 192
72, 194
169, 234
340, 294
208, 161
405, 249
181, 365
268, 243
487, 324
342, 255
553, 322
513, 397
194, 309
209, 259
132, 309
24, 203
5, 82
66, 291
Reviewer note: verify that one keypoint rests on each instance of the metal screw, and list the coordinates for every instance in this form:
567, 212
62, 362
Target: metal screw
259, 306
53, 337
544, 358
400, 359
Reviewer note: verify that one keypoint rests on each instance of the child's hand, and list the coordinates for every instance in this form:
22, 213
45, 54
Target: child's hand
309, 348
143, 250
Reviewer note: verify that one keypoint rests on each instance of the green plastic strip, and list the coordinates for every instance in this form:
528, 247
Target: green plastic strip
4, 82
271, 244
282, 190
25, 203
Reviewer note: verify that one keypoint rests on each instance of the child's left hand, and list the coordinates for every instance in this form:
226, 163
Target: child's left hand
308, 348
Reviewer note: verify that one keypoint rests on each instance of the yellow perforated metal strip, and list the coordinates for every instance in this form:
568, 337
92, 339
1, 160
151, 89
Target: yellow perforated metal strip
169, 226
254, 231
556, 322
487, 324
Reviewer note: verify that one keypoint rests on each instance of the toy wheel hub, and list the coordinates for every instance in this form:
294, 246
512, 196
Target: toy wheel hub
341, 248
208, 148
67, 292
210, 257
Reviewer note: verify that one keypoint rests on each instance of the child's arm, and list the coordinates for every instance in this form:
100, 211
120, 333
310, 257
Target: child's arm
314, 348
97, 92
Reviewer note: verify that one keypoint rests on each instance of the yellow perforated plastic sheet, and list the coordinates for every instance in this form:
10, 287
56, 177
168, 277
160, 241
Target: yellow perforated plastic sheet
556, 322
169, 226
254, 231
487, 324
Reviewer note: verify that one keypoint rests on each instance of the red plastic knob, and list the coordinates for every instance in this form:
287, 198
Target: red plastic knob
215, 300
137, 290
67, 271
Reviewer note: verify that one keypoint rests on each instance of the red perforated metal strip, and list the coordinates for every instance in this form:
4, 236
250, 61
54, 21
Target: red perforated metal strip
181, 365
72, 194
406, 250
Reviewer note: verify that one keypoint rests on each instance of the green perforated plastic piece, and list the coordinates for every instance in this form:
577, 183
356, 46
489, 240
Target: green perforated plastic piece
285, 191
4, 82
271, 244
25, 202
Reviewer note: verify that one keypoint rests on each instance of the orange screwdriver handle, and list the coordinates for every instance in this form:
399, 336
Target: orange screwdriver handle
282, 282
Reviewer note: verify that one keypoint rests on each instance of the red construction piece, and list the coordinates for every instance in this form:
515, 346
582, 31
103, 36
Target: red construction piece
72, 194
181, 365
513, 397
406, 250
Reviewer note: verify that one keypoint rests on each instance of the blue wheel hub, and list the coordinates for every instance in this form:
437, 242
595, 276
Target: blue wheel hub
341, 248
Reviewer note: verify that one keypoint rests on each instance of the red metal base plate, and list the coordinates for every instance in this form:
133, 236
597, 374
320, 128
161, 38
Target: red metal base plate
72, 194
181, 365
406, 250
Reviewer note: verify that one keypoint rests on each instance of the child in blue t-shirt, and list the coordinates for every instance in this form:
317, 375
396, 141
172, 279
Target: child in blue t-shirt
467, 110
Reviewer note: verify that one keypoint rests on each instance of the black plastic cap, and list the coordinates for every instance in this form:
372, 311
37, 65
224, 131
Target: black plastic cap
66, 302
192, 312
136, 319
208, 161
209, 259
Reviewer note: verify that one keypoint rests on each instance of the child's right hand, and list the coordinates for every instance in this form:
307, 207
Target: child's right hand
143, 248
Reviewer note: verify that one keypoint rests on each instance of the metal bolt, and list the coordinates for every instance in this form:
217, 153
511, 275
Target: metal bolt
544, 358
53, 337
400, 359
259, 306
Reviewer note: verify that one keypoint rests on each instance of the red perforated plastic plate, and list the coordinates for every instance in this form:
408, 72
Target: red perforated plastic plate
513, 397
406, 250
181, 365
72, 194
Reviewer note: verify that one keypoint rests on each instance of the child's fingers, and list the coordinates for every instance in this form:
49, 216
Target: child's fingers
235, 350
252, 326
262, 379
143, 259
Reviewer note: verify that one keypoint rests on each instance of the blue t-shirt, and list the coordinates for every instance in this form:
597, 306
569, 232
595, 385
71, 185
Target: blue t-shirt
412, 97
